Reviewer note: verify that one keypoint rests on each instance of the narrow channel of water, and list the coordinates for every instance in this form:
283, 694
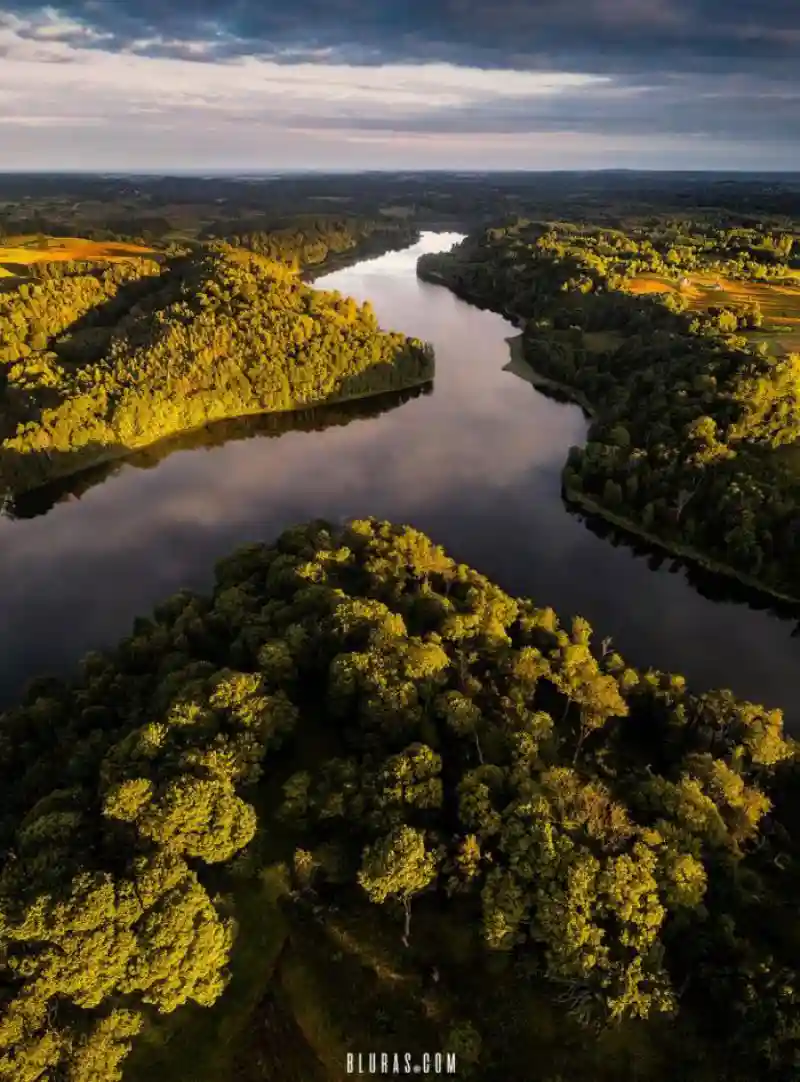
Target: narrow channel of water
476, 464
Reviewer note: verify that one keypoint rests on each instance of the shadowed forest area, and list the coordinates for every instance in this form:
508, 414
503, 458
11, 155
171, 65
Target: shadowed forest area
359, 763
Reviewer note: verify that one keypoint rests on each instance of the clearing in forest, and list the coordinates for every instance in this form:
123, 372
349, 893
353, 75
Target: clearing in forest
602, 341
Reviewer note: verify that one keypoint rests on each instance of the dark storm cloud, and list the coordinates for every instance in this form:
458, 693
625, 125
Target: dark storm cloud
613, 36
667, 83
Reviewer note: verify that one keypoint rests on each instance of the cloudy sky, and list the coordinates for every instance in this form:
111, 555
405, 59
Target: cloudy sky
468, 84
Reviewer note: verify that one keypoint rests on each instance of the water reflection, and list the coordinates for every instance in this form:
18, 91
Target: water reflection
476, 464
714, 587
39, 501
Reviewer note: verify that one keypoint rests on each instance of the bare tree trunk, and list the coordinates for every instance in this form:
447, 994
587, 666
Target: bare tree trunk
684, 499
407, 928
479, 748
578, 746
581, 737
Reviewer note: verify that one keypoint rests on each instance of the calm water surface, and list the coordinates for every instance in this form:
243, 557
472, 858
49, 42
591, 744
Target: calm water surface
476, 464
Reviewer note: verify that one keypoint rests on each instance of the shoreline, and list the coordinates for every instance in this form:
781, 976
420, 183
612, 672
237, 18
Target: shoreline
308, 275
346, 259
684, 552
120, 454
516, 348
587, 504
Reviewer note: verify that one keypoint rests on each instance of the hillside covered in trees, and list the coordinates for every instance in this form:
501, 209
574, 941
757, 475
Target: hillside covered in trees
271, 811
311, 243
689, 406
102, 362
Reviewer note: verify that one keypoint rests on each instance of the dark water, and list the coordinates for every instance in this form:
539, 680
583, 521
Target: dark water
475, 464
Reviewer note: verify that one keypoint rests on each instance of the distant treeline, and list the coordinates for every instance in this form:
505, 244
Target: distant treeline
139, 229
303, 239
310, 242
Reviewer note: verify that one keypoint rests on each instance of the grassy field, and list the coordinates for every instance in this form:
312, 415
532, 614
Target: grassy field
779, 304
57, 249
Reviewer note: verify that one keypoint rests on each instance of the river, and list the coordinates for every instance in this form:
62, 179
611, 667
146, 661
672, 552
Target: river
476, 464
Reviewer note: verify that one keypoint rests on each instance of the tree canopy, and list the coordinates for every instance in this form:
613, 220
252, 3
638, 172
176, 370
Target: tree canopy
626, 844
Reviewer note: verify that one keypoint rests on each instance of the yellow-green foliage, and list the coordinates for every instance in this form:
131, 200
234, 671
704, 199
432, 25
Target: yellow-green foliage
230, 334
37, 312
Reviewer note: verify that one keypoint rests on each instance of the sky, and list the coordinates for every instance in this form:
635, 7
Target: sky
207, 85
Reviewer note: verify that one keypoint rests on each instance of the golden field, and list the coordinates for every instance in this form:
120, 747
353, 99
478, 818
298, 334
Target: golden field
57, 249
779, 304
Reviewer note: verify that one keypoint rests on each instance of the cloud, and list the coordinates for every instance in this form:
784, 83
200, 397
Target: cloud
296, 84
609, 35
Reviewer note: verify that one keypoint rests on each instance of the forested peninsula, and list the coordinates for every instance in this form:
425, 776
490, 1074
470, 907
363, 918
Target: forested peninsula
359, 762
683, 343
39, 501
101, 360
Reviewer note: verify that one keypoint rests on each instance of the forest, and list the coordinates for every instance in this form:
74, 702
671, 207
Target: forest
357, 762
356, 796
311, 243
691, 400
96, 364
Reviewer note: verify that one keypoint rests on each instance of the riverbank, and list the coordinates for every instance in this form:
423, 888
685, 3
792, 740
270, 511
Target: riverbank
516, 345
523, 368
580, 499
359, 253
79, 460
233, 335
684, 552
